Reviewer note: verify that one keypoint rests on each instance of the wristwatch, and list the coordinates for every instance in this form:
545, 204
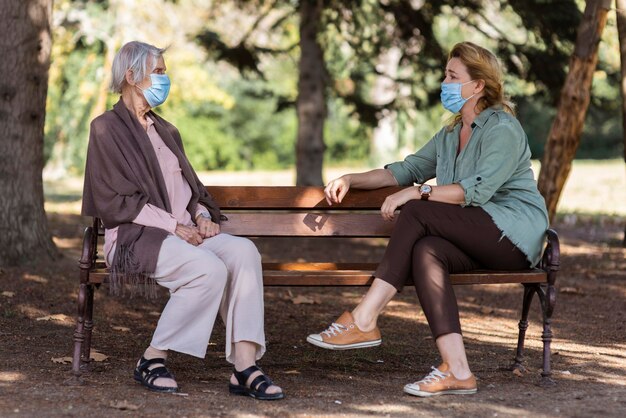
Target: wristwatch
425, 191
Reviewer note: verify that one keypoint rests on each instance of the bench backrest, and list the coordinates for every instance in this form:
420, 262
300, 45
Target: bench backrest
301, 211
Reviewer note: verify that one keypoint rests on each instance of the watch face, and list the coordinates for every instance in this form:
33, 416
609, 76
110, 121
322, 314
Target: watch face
425, 188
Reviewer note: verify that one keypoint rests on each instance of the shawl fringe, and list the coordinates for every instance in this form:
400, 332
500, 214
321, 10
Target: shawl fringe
125, 280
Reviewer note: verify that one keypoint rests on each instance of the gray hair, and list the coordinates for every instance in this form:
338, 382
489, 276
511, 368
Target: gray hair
137, 56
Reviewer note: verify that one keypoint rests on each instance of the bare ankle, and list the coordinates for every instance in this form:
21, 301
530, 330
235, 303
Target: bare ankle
364, 321
460, 370
152, 352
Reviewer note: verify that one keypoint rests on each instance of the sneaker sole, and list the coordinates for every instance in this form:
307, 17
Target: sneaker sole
322, 344
423, 394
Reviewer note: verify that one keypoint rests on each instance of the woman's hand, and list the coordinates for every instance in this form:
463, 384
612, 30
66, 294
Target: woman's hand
189, 234
336, 189
207, 228
392, 202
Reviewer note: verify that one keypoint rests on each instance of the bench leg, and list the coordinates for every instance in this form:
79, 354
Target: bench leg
529, 292
547, 295
79, 337
86, 352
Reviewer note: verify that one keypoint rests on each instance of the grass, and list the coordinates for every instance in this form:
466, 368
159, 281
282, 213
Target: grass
594, 187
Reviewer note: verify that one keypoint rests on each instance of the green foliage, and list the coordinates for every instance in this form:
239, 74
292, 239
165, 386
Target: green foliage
246, 136
230, 121
72, 93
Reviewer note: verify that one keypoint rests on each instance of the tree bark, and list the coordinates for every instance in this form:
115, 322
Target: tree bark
25, 45
567, 127
311, 101
621, 31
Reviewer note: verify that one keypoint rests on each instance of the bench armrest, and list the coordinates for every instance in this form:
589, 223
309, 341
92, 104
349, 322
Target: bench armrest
89, 252
551, 260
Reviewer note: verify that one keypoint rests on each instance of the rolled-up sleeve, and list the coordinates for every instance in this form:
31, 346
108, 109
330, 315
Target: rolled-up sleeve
499, 157
416, 168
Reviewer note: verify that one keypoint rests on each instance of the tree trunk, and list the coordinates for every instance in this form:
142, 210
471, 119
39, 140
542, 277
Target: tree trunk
621, 31
311, 102
25, 44
567, 127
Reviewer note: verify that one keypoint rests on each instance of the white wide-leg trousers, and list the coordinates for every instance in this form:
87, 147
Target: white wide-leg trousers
221, 274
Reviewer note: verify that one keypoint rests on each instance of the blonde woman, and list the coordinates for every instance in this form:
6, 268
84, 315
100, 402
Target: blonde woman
484, 212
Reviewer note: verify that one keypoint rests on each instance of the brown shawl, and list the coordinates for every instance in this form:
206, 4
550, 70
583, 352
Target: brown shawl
122, 174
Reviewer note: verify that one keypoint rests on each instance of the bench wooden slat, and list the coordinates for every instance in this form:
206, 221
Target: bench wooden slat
307, 276
307, 224
294, 197
364, 277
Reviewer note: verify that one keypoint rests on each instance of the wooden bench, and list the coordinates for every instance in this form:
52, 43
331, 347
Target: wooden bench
294, 212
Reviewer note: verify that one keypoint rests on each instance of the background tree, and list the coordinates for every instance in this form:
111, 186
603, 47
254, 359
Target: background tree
25, 49
533, 40
235, 87
621, 29
568, 125
311, 101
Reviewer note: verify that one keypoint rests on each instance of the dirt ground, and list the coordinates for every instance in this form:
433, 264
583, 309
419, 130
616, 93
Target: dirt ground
37, 308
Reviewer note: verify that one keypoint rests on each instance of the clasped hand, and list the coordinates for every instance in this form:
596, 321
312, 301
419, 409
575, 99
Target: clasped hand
194, 235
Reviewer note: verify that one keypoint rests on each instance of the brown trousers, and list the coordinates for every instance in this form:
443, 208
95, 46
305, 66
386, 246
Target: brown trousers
431, 240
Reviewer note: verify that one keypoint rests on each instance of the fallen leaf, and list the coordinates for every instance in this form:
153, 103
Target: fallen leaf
471, 299
123, 406
8, 294
292, 372
55, 317
184, 395
486, 310
518, 372
61, 360
305, 300
571, 291
119, 328
566, 372
95, 356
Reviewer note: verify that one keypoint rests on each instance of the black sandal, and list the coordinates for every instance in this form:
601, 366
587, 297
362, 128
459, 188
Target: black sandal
257, 388
147, 376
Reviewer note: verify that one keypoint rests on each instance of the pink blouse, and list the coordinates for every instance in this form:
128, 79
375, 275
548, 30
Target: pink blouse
178, 191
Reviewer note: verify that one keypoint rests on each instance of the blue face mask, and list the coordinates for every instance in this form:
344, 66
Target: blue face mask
157, 93
451, 97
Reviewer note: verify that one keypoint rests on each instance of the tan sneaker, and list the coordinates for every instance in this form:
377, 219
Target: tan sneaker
441, 381
345, 335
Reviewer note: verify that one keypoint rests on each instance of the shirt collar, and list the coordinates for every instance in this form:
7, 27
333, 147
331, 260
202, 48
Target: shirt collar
149, 121
484, 115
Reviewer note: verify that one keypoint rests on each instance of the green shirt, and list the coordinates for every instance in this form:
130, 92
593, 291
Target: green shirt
494, 171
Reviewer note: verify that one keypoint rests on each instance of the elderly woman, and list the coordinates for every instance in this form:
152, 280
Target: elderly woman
485, 212
161, 225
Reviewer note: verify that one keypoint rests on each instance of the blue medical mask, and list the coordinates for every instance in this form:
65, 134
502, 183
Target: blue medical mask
157, 93
451, 97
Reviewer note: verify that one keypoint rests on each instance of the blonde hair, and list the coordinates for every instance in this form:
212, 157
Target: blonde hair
482, 65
